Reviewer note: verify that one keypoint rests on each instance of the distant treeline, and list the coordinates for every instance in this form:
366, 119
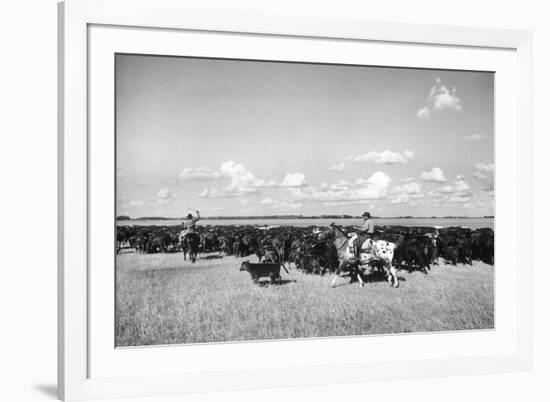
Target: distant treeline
287, 217
163, 218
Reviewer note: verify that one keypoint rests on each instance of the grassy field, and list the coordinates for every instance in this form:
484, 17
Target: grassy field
162, 299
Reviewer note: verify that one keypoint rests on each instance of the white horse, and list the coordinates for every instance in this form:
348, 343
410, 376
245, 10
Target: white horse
372, 252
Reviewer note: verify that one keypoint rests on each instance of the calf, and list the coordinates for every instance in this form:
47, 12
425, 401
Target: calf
258, 271
450, 253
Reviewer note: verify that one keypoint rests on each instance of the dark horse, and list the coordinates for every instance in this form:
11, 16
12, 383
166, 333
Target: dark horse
381, 254
190, 244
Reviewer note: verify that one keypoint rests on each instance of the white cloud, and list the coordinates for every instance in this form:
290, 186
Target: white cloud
294, 180
385, 157
423, 113
379, 179
434, 175
440, 98
338, 167
443, 190
409, 188
406, 194
375, 187
479, 176
462, 188
241, 180
212, 193
459, 189
407, 180
485, 167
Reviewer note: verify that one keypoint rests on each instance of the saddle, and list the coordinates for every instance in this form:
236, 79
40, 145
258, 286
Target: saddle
366, 250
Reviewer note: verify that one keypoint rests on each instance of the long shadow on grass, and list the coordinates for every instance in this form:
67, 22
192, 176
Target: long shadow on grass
370, 278
377, 277
280, 282
211, 257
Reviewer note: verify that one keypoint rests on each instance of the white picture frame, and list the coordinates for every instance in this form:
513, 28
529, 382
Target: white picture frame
78, 377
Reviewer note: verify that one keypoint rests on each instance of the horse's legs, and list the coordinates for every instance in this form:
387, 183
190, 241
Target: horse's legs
337, 273
361, 283
388, 274
393, 271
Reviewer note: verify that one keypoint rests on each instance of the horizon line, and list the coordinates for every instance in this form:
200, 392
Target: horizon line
323, 216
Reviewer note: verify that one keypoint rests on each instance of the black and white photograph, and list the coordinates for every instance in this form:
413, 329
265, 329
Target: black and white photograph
276, 200
268, 200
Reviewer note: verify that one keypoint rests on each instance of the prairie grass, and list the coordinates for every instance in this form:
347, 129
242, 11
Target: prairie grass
162, 299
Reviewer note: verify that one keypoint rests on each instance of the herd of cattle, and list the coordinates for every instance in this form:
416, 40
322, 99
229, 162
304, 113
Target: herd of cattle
417, 248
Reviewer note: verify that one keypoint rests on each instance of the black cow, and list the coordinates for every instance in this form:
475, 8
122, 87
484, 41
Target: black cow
225, 244
327, 256
310, 264
258, 271
249, 245
455, 245
209, 242
238, 249
412, 250
450, 253
483, 245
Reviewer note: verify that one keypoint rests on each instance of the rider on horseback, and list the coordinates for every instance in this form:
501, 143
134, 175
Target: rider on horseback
365, 232
188, 226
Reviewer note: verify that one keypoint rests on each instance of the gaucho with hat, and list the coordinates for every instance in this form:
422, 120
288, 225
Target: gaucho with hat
366, 231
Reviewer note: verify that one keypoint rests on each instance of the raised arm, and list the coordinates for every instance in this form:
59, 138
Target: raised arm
197, 218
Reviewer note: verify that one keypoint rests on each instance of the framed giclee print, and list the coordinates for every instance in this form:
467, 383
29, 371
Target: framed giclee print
250, 201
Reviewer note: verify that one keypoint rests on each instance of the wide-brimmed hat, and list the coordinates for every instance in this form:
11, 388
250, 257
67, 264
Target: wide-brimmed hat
366, 214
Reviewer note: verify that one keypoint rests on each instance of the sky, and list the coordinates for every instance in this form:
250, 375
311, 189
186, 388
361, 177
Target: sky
240, 138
